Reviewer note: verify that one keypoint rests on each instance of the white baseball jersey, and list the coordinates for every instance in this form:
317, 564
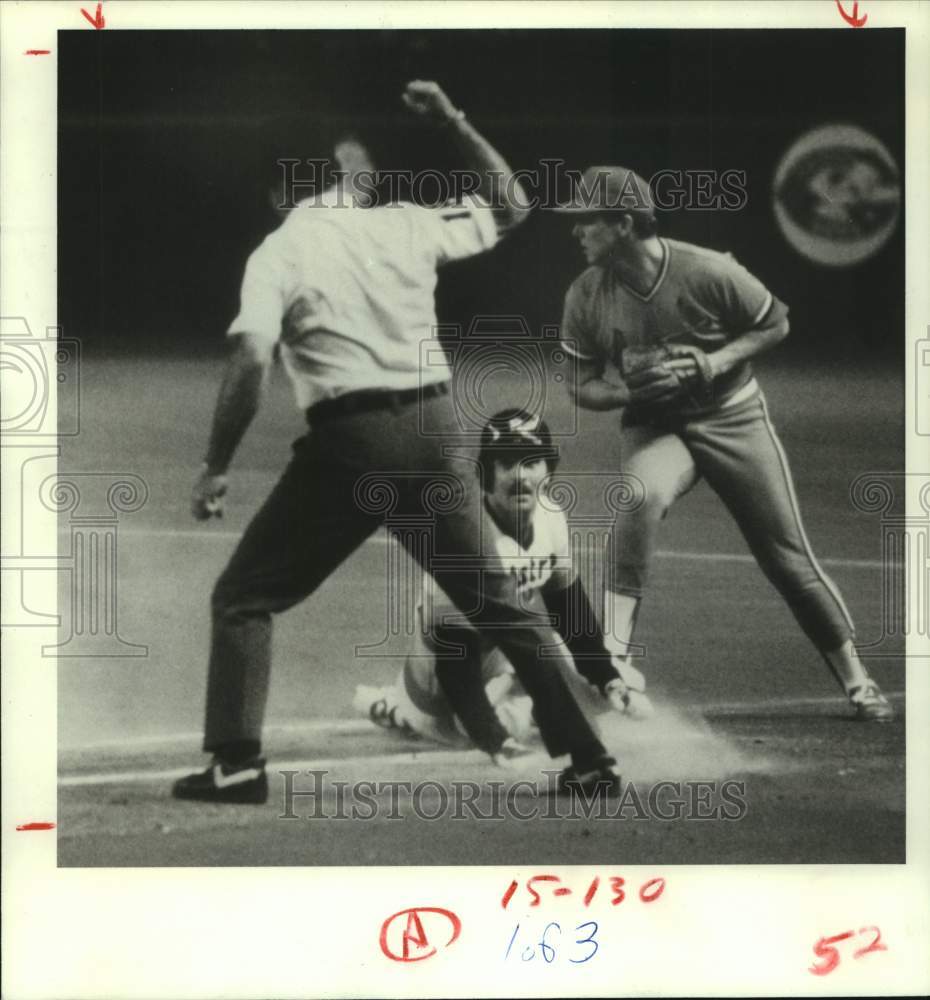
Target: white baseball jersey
531, 567
350, 291
548, 554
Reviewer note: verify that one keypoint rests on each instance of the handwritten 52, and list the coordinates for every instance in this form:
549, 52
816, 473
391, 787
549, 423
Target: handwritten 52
830, 956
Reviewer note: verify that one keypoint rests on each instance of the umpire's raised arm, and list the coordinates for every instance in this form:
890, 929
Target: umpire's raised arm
497, 183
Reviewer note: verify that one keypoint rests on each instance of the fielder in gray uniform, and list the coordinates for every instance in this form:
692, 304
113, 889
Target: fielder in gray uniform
679, 324
345, 290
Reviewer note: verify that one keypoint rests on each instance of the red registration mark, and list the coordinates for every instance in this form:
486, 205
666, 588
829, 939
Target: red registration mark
415, 941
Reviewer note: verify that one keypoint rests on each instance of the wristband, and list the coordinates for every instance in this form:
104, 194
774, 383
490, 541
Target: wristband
458, 116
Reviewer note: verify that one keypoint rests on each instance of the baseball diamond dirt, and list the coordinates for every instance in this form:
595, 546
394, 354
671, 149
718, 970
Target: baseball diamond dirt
740, 694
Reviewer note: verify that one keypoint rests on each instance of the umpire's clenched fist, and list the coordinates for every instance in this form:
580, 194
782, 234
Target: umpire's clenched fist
207, 495
427, 98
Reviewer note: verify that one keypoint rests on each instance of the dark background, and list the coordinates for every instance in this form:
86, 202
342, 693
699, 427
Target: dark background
168, 142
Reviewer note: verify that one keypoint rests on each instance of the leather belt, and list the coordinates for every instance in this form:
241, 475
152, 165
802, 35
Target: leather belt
366, 400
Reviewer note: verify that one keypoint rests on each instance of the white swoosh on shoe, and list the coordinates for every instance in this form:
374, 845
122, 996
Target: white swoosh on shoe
236, 778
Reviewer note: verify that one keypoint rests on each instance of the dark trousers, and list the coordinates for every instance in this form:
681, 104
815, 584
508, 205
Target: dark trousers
349, 475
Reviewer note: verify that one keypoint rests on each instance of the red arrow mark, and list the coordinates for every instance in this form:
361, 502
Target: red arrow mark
35, 826
853, 18
97, 20
37, 52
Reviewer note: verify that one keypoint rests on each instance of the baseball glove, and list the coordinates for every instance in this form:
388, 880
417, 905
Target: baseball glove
668, 372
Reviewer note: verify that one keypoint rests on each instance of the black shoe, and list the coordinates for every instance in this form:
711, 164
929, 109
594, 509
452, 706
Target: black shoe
599, 778
222, 782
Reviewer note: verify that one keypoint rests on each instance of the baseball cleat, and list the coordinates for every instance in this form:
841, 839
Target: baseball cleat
244, 783
870, 704
635, 704
634, 679
616, 694
510, 750
600, 778
516, 716
638, 706
381, 715
384, 715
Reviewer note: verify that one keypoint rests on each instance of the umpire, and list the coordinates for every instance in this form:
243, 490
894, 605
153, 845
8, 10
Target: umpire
346, 289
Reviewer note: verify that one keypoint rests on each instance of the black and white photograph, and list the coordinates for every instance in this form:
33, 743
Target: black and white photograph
478, 446
606, 324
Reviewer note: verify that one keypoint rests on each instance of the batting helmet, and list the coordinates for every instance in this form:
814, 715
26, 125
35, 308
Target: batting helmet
512, 435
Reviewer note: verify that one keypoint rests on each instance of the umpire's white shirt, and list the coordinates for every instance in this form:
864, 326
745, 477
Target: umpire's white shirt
350, 291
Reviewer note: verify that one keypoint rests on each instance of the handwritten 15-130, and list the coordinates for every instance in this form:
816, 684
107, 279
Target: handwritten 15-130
616, 890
